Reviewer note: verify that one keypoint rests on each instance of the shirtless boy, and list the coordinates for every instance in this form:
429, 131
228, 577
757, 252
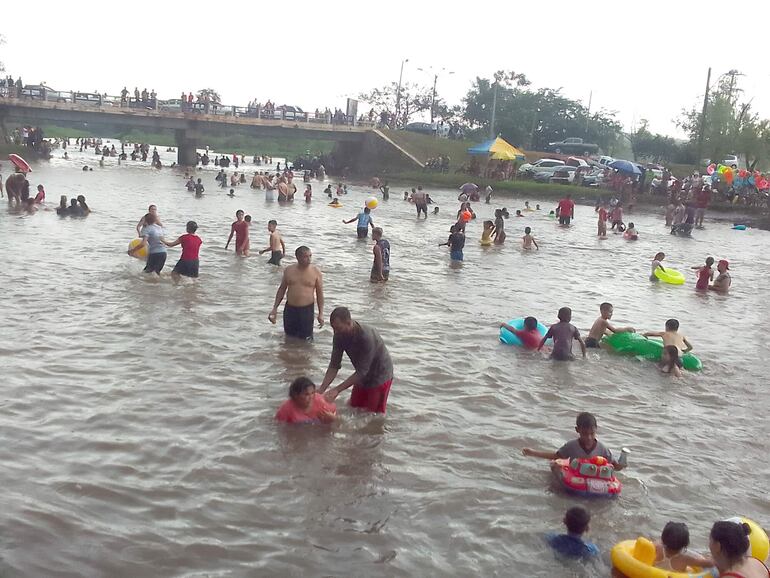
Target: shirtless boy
528, 240
602, 325
671, 336
275, 244
302, 284
240, 228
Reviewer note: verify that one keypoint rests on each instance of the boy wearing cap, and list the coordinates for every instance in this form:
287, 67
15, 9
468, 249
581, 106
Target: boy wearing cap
723, 281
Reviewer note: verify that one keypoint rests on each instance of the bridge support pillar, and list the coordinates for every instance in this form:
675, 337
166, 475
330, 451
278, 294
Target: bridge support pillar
186, 149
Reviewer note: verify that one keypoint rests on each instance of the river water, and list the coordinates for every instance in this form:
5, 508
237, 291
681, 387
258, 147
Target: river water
136, 415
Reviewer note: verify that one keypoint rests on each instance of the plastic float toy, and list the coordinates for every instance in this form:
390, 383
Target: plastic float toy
141, 253
511, 339
670, 276
587, 477
652, 349
635, 558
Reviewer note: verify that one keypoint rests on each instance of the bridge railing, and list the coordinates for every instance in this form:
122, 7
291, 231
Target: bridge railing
178, 106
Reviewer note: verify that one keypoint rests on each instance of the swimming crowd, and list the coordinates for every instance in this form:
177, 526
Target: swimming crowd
302, 288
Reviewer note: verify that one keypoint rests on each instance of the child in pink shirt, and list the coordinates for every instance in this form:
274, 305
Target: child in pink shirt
305, 405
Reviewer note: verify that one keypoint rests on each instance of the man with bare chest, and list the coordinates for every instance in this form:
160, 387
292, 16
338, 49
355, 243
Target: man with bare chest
302, 284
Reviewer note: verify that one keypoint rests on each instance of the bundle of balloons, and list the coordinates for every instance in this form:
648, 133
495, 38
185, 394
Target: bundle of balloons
737, 178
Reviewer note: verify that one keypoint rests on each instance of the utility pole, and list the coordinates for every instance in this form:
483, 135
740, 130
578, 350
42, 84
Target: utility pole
398, 92
433, 97
703, 120
494, 110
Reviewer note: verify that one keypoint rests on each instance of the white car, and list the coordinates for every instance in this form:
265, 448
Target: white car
529, 169
731, 161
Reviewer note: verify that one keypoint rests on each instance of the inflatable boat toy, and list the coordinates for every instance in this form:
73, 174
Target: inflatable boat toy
587, 477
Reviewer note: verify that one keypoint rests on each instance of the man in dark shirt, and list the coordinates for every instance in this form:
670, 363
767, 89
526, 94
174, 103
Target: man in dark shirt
370, 358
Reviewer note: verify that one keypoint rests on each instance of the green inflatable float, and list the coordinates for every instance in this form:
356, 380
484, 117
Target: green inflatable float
635, 344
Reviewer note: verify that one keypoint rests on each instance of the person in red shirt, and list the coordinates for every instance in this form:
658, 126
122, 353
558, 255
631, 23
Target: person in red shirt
530, 336
566, 210
305, 405
702, 199
191, 244
705, 274
240, 228
40, 197
602, 225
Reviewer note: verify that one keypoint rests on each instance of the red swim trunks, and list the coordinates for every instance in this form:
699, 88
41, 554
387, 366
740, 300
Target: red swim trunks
373, 399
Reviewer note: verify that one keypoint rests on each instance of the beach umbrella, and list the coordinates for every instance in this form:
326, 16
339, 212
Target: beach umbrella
19, 163
469, 188
625, 167
497, 149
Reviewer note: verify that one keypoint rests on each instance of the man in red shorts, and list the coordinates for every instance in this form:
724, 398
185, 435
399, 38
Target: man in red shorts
370, 358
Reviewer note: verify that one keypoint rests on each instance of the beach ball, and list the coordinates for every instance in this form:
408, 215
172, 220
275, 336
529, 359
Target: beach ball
142, 253
371, 203
467, 216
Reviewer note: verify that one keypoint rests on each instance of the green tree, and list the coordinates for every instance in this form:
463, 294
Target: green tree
415, 99
532, 119
212, 94
653, 147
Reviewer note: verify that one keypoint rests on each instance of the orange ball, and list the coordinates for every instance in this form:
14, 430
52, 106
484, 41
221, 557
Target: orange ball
467, 216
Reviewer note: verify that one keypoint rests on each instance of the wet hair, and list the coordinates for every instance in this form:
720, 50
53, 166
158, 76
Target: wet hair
709, 261
576, 519
367, 210
488, 224
238, 211
340, 314
659, 255
149, 219
299, 385
732, 537
518, 211
672, 325
376, 231
675, 536
565, 314
605, 306
192, 226
40, 187
247, 218
272, 222
530, 323
498, 212
630, 225
527, 230
301, 250
585, 420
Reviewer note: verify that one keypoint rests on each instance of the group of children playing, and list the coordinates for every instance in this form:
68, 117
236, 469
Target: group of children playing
728, 539
564, 333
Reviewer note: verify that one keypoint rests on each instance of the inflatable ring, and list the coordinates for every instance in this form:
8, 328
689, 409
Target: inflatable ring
141, 253
739, 227
635, 558
652, 349
486, 243
670, 276
333, 206
759, 544
509, 338
593, 477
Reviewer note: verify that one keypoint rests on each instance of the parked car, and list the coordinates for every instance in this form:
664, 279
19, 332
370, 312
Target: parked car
593, 178
731, 161
175, 104
88, 98
544, 174
605, 160
421, 127
576, 162
528, 169
573, 145
564, 175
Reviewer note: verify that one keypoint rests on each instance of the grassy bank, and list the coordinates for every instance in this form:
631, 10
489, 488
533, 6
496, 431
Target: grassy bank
227, 142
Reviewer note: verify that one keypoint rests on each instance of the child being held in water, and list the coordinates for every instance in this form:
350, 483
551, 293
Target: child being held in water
602, 325
305, 405
528, 240
671, 551
572, 544
486, 234
670, 362
530, 336
671, 336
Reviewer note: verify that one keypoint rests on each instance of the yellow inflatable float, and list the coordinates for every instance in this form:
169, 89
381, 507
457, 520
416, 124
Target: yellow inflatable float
635, 558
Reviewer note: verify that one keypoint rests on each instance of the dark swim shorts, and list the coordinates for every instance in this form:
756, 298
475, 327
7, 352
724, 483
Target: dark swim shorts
155, 263
298, 321
275, 258
187, 267
592, 343
362, 232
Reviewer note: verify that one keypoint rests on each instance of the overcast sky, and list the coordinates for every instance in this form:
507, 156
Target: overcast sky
642, 59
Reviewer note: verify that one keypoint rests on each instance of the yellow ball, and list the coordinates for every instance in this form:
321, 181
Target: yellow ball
141, 253
372, 203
